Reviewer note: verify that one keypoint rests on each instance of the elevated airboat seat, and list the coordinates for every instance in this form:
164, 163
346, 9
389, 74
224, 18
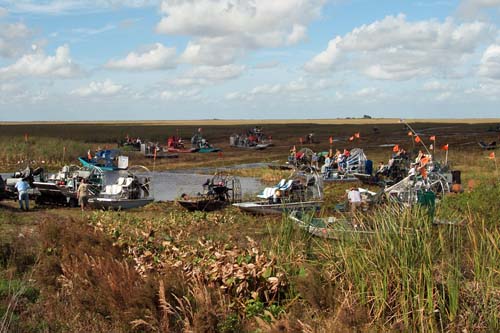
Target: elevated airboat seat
270, 191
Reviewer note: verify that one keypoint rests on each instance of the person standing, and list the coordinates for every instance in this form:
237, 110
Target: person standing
22, 187
354, 197
82, 194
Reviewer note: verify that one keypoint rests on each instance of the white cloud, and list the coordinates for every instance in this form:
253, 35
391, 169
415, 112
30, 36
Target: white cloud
3, 12
223, 30
59, 7
396, 49
207, 75
174, 95
489, 90
299, 33
13, 38
103, 88
367, 93
40, 65
94, 31
490, 63
473, 8
444, 96
155, 57
301, 88
435, 85
266, 65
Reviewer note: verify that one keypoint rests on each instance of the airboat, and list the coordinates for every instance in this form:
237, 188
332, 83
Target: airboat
218, 192
303, 190
106, 160
346, 170
253, 139
130, 190
59, 188
201, 145
328, 227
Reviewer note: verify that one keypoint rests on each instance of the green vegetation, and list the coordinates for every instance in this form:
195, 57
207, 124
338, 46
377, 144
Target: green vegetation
162, 269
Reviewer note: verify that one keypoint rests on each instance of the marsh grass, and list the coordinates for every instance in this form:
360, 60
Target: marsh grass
50, 153
164, 269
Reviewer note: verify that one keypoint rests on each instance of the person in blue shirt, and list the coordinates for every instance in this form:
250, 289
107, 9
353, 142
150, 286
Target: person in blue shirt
22, 187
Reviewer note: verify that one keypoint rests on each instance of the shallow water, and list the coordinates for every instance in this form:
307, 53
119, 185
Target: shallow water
168, 185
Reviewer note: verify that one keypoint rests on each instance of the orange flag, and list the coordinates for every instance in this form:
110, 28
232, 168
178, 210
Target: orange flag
356, 135
423, 172
89, 155
154, 154
410, 133
25, 137
301, 140
395, 148
331, 139
432, 138
417, 139
351, 138
445, 147
492, 155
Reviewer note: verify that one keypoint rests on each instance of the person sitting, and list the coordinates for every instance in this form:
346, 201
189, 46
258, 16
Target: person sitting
327, 164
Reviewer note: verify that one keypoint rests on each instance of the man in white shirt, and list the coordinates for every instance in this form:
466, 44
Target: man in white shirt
354, 197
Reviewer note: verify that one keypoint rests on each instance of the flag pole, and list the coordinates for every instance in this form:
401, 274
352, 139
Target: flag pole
433, 148
446, 158
415, 134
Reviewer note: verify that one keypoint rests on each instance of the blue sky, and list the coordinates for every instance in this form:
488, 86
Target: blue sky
254, 59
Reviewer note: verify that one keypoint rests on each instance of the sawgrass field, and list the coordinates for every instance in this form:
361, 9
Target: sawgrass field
162, 269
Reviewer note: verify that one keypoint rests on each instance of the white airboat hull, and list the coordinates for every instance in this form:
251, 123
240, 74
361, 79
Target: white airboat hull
264, 207
118, 204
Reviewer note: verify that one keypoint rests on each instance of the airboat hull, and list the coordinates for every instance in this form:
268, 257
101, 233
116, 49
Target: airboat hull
50, 193
341, 179
255, 147
265, 208
328, 228
182, 151
86, 163
486, 146
280, 167
205, 205
162, 155
118, 204
209, 150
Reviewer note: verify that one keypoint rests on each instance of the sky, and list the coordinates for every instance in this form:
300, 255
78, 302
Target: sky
78, 60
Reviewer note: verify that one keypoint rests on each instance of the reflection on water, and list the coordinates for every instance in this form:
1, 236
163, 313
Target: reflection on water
168, 185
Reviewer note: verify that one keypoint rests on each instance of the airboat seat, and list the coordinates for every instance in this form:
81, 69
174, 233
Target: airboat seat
113, 189
287, 186
269, 191
120, 181
128, 181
